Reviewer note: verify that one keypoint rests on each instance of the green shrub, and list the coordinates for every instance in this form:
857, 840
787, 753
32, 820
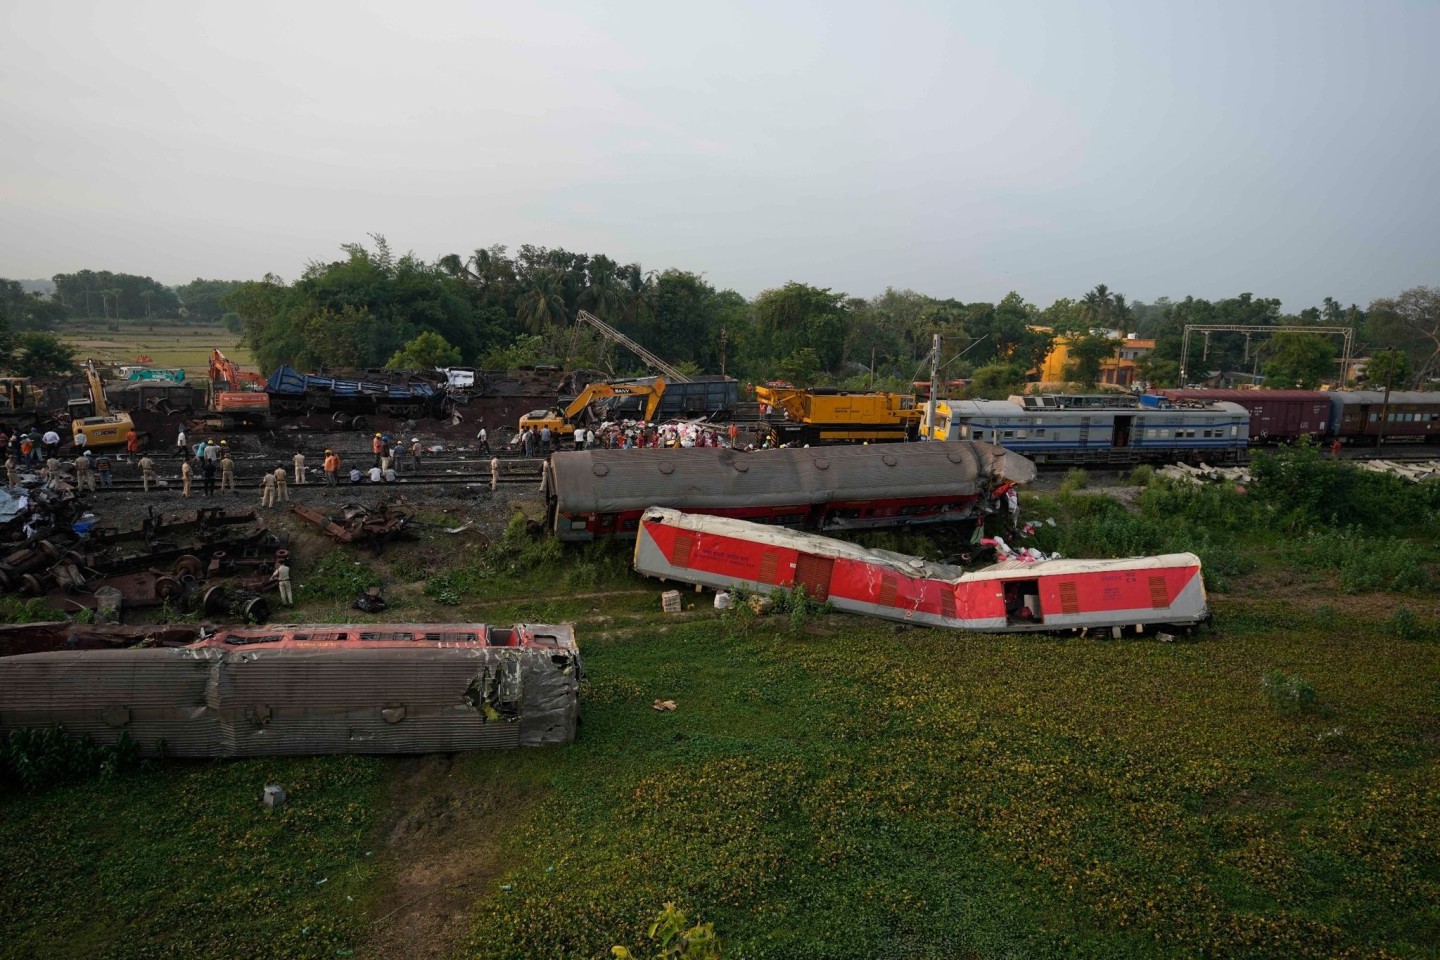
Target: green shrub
1287, 693
34, 610
39, 758
337, 575
1405, 625
1075, 479
1142, 475
1365, 564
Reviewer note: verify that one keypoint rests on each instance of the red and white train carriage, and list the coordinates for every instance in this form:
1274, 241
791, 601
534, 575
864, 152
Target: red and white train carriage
1010, 596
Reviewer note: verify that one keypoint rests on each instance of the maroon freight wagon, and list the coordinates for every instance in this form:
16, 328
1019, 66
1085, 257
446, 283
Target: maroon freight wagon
1275, 415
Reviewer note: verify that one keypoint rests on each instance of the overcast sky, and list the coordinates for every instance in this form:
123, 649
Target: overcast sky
960, 149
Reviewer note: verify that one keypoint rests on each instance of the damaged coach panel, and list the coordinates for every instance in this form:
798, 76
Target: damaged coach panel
602, 493
1008, 597
311, 689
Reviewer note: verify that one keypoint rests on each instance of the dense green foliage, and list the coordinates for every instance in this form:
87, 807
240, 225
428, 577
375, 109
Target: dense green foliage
101, 293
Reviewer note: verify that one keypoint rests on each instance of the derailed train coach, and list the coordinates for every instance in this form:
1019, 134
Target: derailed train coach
1008, 597
599, 494
310, 689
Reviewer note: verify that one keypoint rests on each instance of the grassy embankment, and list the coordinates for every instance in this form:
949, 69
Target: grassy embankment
835, 787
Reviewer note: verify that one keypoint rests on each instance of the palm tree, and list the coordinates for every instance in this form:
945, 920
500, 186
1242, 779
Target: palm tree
603, 296
638, 295
543, 302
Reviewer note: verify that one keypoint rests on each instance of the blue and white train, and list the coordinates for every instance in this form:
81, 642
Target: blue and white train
1118, 429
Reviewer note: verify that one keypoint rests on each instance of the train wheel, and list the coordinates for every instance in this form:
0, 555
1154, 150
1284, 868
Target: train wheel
213, 601
168, 588
188, 566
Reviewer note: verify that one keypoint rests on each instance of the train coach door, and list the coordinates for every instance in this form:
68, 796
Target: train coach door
1084, 433
813, 573
1120, 435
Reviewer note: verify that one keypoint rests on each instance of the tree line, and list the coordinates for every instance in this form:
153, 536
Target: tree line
495, 308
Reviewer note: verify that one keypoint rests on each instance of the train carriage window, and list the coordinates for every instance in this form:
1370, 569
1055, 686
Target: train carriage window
1391, 418
387, 636
1150, 433
1039, 431
1234, 431
1020, 434
1374, 417
1009, 434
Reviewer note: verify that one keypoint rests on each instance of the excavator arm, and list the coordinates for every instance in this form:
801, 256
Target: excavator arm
599, 391
97, 389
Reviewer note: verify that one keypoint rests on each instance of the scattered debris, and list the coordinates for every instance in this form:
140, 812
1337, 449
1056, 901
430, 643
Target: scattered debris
365, 526
1204, 473
670, 601
663, 705
274, 798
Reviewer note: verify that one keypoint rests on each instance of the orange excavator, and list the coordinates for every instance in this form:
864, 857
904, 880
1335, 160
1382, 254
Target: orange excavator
238, 398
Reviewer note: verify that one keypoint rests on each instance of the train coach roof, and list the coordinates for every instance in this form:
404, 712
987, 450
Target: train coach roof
1396, 396
610, 481
1244, 397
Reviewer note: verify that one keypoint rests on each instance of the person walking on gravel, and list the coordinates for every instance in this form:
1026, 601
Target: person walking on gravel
494, 473
147, 472
102, 470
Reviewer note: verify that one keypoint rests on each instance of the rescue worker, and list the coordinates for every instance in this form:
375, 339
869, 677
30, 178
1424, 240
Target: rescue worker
415, 452
102, 470
51, 443
267, 489
332, 466
84, 479
545, 440
185, 475
11, 477
52, 470
282, 577
387, 455
147, 472
81, 441
132, 442
494, 473
182, 448
282, 489
207, 476
299, 461
27, 451
227, 472
377, 445
484, 438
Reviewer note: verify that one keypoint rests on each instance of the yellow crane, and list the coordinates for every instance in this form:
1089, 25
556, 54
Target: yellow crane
102, 428
562, 421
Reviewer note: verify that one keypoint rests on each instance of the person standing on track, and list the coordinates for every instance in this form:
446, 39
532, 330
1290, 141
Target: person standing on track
11, 477
267, 489
102, 469
299, 461
207, 475
494, 473
415, 452
332, 467
84, 479
186, 475
377, 445
132, 442
282, 489
484, 437
147, 472
227, 473
182, 447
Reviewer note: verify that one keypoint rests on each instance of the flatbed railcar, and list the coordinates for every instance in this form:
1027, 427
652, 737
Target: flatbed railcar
1115, 429
1009, 597
304, 689
292, 392
598, 494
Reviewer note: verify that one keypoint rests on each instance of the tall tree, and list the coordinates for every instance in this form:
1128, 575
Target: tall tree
1410, 321
1299, 360
543, 301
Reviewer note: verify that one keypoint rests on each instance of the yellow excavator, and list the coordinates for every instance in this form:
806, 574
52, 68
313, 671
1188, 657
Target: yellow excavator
562, 422
101, 428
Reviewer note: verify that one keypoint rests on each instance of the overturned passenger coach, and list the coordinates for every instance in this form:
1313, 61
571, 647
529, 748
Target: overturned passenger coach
311, 689
598, 494
1010, 596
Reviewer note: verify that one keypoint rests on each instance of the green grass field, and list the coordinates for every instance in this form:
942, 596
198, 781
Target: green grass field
168, 346
829, 786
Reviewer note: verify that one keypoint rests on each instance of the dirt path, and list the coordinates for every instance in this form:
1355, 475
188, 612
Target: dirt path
442, 848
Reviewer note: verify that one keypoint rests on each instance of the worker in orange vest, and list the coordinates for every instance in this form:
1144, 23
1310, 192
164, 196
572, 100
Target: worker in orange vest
378, 445
332, 466
132, 442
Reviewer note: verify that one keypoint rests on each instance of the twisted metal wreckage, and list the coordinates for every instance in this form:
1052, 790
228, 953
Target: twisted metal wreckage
298, 689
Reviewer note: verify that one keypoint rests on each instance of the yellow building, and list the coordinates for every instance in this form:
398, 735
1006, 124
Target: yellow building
1117, 370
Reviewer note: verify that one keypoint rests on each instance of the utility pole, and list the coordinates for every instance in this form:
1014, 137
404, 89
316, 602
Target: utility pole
1385, 406
724, 342
934, 387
